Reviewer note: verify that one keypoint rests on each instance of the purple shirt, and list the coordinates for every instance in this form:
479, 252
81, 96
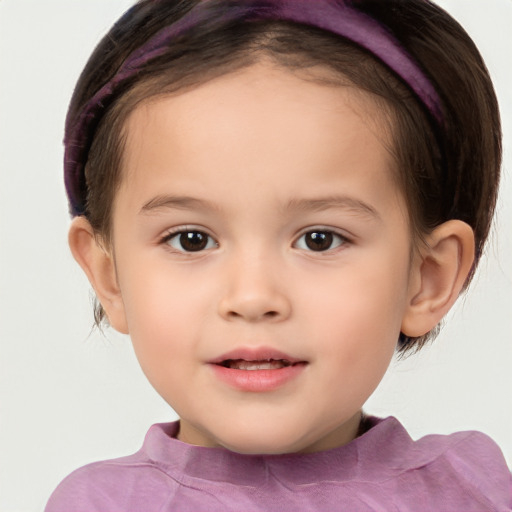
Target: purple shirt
384, 469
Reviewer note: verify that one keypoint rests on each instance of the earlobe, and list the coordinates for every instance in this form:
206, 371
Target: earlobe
98, 264
438, 275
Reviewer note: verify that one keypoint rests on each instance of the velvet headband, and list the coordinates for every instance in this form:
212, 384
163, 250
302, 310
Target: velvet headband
337, 17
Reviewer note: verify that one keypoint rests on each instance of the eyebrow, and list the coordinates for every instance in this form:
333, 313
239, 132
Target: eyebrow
177, 202
316, 204
334, 202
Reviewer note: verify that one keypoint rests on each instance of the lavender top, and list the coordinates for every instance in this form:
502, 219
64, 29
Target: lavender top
384, 469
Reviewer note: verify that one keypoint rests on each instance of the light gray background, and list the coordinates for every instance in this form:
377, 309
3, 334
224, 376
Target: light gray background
69, 396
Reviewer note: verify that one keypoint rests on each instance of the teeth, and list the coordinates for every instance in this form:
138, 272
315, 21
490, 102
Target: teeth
240, 364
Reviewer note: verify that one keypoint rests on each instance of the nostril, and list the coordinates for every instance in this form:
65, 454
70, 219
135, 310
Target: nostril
268, 315
254, 307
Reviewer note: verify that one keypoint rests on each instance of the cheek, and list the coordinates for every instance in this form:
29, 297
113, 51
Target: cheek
158, 307
355, 315
372, 299
161, 338
154, 293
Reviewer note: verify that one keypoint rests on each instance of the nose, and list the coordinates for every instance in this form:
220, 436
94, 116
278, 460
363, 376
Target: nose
254, 292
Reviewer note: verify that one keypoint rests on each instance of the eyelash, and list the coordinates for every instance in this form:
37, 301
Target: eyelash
178, 234
325, 236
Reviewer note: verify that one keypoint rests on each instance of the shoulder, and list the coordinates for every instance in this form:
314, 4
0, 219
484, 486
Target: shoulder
469, 466
126, 483
461, 471
103, 486
463, 449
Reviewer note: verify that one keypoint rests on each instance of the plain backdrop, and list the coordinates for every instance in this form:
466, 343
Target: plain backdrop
69, 396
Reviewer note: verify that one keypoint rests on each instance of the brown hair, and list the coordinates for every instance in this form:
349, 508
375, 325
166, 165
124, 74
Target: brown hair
446, 172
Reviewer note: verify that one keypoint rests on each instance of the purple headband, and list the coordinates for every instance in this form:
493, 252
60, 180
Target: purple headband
341, 19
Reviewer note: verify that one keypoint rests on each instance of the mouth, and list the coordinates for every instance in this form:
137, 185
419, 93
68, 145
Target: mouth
266, 364
257, 358
257, 370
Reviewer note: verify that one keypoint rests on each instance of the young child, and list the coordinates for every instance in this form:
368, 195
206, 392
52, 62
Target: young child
271, 197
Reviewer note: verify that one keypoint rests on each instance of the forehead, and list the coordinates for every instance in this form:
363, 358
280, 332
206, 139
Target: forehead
257, 121
316, 89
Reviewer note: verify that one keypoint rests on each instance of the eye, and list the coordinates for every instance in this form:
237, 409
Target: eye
320, 240
190, 241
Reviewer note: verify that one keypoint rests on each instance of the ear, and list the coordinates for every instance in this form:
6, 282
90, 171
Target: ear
99, 265
438, 274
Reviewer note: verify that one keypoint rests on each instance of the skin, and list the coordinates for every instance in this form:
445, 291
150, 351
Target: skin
255, 160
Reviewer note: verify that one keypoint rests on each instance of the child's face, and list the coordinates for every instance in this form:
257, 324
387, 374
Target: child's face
298, 248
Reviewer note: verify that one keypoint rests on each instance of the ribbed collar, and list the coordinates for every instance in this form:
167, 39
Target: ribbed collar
384, 450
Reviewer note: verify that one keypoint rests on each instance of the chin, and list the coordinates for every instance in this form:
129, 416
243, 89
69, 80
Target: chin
261, 442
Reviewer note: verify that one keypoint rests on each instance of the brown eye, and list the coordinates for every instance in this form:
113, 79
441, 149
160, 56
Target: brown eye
191, 241
319, 241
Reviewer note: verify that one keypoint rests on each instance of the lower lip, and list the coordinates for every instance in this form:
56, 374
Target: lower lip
258, 381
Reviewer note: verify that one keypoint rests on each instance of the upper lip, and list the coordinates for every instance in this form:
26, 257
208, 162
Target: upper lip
255, 354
